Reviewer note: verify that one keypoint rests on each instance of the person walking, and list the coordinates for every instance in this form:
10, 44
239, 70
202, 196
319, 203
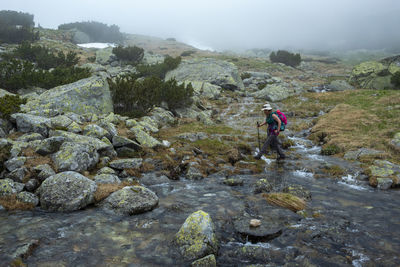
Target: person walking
274, 126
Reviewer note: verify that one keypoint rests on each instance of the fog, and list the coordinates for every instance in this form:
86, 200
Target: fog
236, 24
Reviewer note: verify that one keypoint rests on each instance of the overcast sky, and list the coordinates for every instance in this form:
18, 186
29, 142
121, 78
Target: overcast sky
235, 24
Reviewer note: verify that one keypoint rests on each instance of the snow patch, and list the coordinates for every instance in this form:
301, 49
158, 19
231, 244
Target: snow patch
97, 45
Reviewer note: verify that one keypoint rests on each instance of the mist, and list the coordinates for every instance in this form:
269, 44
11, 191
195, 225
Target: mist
236, 24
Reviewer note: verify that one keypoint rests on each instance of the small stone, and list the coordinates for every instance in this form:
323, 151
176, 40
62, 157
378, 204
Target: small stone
31, 185
208, 261
15, 163
255, 222
121, 164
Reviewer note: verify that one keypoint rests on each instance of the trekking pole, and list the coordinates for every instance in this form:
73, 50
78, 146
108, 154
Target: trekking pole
258, 136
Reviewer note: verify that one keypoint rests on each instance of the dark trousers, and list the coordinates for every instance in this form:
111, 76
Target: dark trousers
275, 144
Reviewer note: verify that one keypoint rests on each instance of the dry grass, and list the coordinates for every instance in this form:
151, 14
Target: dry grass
104, 190
12, 203
286, 200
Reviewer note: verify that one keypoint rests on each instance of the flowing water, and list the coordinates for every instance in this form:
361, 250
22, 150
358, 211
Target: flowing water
348, 223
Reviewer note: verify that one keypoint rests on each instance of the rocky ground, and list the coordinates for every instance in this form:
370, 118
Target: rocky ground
184, 184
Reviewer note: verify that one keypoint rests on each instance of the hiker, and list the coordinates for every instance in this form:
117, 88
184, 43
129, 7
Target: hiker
274, 126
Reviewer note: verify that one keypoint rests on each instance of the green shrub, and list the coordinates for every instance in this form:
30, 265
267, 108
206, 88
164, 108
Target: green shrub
159, 70
136, 97
261, 86
328, 150
245, 75
16, 27
16, 74
395, 80
97, 31
43, 57
187, 53
132, 54
10, 104
286, 58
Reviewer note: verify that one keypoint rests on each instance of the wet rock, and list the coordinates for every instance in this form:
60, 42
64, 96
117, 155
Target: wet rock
43, 171
31, 185
28, 198
268, 229
23, 251
263, 186
149, 179
196, 238
96, 131
15, 163
192, 173
214, 71
298, 191
208, 261
233, 181
27, 123
90, 95
120, 141
9, 187
121, 164
49, 145
384, 183
75, 157
66, 191
107, 179
131, 200
144, 139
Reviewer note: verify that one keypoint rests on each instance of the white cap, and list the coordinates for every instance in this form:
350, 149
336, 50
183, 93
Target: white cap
267, 107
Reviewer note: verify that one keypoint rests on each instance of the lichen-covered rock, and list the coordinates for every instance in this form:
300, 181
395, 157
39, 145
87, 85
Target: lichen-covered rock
162, 116
90, 95
149, 124
121, 164
105, 56
196, 237
107, 179
49, 145
9, 187
60, 122
31, 185
144, 139
384, 183
18, 175
208, 261
206, 89
106, 170
214, 71
371, 75
339, 85
298, 191
29, 137
81, 139
395, 142
193, 137
233, 181
131, 200
275, 92
109, 127
96, 131
27, 123
15, 163
262, 186
66, 191
28, 198
192, 173
357, 154
75, 157
120, 141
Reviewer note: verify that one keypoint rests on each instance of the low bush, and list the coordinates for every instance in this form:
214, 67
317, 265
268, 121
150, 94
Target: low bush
395, 80
134, 97
187, 53
10, 104
16, 27
16, 74
285, 57
131, 54
43, 57
159, 70
245, 75
331, 149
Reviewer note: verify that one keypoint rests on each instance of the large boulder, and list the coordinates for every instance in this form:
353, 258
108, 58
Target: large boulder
105, 56
131, 200
81, 139
9, 187
66, 191
214, 71
371, 75
275, 92
206, 89
75, 157
27, 123
196, 238
90, 95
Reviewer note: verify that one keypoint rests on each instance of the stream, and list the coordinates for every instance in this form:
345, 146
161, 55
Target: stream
349, 223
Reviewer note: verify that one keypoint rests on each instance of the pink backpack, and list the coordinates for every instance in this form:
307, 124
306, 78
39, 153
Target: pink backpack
282, 116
